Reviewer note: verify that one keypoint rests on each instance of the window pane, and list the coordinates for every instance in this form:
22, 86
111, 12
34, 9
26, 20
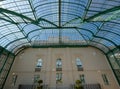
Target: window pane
14, 78
105, 79
58, 77
78, 62
59, 63
36, 78
82, 78
39, 63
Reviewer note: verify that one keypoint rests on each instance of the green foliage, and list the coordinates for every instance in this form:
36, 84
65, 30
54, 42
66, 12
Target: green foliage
40, 81
78, 84
40, 86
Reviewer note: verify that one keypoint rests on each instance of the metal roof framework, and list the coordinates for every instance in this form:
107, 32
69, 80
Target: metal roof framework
62, 23
43, 23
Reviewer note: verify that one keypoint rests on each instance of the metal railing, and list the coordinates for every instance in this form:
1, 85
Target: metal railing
89, 86
22, 86
72, 86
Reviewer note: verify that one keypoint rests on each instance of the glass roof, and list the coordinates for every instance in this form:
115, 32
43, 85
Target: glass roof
37, 23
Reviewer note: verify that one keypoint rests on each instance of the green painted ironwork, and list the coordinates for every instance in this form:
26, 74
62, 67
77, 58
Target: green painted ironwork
82, 13
103, 13
4, 63
113, 69
8, 71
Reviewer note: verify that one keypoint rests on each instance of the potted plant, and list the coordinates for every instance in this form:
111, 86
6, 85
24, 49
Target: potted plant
78, 84
39, 84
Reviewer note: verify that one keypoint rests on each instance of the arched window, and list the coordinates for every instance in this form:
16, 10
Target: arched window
39, 63
79, 64
59, 64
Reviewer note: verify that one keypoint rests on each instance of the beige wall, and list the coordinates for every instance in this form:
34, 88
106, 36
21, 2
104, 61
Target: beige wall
94, 64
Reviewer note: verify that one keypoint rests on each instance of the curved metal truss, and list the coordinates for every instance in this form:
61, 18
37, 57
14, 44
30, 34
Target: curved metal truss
40, 23
60, 23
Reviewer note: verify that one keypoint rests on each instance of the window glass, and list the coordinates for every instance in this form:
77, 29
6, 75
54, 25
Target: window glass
39, 63
58, 77
82, 78
105, 79
59, 63
36, 78
78, 63
14, 78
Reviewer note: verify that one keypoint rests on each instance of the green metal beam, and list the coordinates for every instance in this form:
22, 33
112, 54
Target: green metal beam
14, 41
86, 9
97, 48
59, 22
76, 28
9, 34
19, 27
1, 50
117, 62
32, 8
68, 28
8, 72
32, 31
19, 50
39, 19
98, 29
59, 46
59, 13
72, 14
81, 34
8, 21
22, 31
100, 44
70, 21
103, 13
57, 28
19, 46
111, 32
4, 63
15, 13
99, 37
113, 69
23, 17
55, 2
106, 40
113, 49
42, 19
63, 28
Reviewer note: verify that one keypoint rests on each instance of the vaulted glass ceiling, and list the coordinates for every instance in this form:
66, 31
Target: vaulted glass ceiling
38, 23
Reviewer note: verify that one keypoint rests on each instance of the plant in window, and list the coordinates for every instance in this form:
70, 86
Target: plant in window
59, 81
78, 84
40, 86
